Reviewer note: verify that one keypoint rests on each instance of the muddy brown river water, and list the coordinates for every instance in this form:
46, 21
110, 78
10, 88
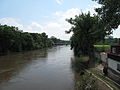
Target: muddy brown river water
46, 69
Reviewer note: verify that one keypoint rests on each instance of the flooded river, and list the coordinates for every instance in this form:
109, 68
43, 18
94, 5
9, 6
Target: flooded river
46, 69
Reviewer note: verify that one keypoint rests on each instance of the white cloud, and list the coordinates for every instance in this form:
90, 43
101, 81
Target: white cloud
11, 22
59, 2
68, 14
34, 27
55, 28
92, 9
58, 27
116, 33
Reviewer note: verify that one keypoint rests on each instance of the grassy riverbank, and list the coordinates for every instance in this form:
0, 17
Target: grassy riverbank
104, 83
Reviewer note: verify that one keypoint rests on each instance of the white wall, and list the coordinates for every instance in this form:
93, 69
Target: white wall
113, 64
103, 56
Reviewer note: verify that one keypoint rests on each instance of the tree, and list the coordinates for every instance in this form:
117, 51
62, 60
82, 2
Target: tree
87, 30
54, 39
13, 39
27, 41
109, 12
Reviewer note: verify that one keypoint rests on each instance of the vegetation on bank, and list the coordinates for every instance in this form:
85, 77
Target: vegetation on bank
109, 40
91, 29
102, 48
90, 78
87, 31
84, 80
14, 40
90, 32
59, 41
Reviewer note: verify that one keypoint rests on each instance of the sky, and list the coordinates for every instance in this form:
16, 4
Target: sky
47, 16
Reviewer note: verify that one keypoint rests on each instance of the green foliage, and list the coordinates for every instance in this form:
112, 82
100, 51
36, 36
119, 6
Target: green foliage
58, 41
84, 81
109, 12
87, 30
12, 39
109, 41
102, 48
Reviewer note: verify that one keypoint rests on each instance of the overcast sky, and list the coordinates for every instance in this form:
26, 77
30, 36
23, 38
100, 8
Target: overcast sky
44, 15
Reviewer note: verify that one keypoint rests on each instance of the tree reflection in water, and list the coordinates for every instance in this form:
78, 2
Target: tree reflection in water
12, 64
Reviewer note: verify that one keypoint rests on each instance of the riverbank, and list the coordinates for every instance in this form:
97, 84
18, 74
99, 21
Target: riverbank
103, 82
98, 74
13, 39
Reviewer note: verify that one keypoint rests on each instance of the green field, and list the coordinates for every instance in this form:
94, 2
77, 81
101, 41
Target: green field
102, 48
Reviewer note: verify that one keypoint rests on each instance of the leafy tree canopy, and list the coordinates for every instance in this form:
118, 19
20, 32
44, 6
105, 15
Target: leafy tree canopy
87, 30
110, 13
12, 39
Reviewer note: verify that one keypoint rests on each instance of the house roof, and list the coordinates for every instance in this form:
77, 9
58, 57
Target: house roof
115, 57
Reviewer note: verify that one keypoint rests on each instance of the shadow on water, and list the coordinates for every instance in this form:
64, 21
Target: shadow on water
12, 64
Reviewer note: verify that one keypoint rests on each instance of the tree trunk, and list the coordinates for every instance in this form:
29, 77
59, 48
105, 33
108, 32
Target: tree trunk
91, 56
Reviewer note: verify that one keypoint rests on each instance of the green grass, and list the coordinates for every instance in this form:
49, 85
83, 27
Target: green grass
102, 48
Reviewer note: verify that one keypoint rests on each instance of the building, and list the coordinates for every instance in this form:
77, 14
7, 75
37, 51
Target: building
111, 61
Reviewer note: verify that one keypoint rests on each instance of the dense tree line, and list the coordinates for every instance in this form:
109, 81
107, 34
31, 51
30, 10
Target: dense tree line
59, 41
14, 40
108, 41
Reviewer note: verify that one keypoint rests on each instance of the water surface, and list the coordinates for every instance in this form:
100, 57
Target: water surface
46, 69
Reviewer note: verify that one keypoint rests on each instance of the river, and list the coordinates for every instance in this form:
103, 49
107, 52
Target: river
46, 69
